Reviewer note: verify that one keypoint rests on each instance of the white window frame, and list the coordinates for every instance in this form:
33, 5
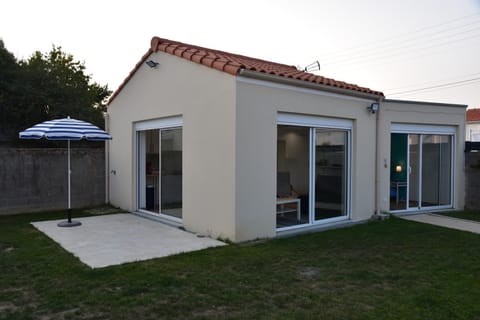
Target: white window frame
162, 123
153, 124
425, 129
422, 129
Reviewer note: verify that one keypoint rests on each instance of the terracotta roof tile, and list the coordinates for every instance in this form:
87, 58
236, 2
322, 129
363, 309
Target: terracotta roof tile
233, 63
473, 114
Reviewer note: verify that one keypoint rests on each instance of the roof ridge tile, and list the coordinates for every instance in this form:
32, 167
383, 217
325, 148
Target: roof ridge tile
232, 63
473, 114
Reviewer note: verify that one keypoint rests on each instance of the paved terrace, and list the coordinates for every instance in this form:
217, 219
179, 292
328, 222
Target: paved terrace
114, 239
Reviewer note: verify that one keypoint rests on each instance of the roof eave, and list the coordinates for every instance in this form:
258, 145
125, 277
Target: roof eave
130, 75
309, 85
427, 103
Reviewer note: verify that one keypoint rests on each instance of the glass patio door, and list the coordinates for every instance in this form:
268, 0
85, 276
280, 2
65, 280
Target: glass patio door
312, 175
413, 173
171, 172
160, 171
421, 171
330, 173
436, 170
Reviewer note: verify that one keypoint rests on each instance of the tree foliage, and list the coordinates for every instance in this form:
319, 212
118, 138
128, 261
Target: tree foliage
9, 93
45, 87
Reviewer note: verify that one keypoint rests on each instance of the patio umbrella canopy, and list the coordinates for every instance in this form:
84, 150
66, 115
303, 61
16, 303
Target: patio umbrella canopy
66, 129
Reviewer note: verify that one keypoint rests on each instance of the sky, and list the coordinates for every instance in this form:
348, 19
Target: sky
423, 50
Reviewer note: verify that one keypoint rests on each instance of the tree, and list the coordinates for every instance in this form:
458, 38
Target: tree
49, 86
9, 83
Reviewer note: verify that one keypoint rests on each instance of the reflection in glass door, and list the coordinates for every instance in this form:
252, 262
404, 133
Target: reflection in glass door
330, 173
413, 171
436, 168
171, 172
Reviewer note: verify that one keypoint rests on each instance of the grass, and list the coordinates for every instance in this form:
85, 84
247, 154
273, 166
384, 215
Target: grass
392, 269
467, 214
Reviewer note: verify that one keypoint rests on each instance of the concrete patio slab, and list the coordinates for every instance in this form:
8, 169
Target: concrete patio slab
114, 239
444, 221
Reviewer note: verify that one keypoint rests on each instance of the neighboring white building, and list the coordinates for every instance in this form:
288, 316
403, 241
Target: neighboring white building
241, 148
473, 125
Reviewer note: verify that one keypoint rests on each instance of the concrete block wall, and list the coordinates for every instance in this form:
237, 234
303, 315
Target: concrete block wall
472, 180
35, 179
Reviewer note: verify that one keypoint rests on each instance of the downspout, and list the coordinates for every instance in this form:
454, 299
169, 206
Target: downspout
378, 161
107, 159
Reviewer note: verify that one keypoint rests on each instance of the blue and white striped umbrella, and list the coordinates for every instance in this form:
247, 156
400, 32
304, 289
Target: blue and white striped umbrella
66, 129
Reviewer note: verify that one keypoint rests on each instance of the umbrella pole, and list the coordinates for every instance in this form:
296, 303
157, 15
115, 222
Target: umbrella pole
69, 173
69, 222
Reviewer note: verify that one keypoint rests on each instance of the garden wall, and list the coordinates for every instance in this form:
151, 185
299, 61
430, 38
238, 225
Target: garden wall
35, 179
472, 180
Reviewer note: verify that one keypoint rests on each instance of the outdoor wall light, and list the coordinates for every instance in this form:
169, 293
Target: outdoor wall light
373, 107
152, 64
398, 168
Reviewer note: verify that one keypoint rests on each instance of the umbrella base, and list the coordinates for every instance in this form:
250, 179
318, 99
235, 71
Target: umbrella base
72, 223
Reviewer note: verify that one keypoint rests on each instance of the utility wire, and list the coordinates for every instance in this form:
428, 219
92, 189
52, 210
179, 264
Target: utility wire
429, 82
408, 44
436, 35
402, 48
440, 86
376, 43
415, 54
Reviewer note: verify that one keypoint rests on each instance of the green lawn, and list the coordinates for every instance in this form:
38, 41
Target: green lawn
392, 269
467, 215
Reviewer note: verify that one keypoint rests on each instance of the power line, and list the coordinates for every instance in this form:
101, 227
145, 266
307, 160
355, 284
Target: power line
398, 43
375, 59
409, 43
401, 48
440, 86
381, 42
434, 81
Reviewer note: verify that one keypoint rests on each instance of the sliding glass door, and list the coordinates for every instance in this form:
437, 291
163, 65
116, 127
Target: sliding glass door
421, 173
171, 172
293, 176
330, 173
436, 170
312, 175
414, 172
160, 171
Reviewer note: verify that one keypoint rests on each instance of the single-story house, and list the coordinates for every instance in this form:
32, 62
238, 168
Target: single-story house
241, 148
473, 125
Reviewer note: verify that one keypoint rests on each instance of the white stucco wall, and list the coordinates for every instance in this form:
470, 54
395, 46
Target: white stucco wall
258, 104
472, 131
205, 99
230, 143
422, 114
